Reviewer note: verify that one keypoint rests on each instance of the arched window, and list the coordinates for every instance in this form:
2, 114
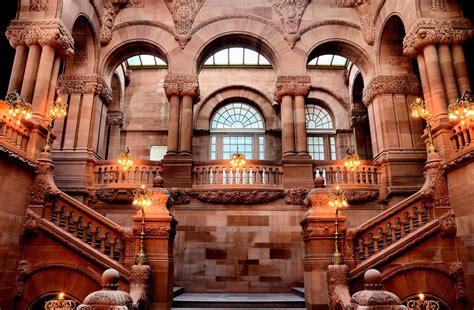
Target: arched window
238, 127
145, 61
237, 56
329, 61
320, 131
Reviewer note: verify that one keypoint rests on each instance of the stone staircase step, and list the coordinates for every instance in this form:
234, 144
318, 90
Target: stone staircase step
178, 290
238, 300
298, 291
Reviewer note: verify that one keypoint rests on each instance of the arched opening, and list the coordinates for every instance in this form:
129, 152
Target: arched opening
9, 10
85, 57
360, 121
391, 57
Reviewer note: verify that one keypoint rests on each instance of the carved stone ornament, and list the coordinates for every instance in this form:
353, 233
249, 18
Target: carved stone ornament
19, 160
184, 12
44, 188
140, 285
338, 286
41, 32
110, 12
428, 31
358, 117
134, 4
84, 84
38, 5
115, 118
23, 269
368, 10
296, 196
181, 85
318, 229
439, 5
456, 271
374, 293
292, 85
435, 188
114, 195
239, 197
126, 233
180, 196
360, 197
290, 13
156, 229
31, 223
316, 198
390, 84
447, 224
460, 161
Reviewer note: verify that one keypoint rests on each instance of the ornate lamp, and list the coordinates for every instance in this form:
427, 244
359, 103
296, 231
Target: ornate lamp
237, 160
351, 160
418, 109
58, 109
19, 108
142, 198
462, 109
60, 303
337, 201
125, 160
422, 304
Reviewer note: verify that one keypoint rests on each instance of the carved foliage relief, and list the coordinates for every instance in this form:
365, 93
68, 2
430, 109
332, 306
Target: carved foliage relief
38, 5
290, 13
184, 12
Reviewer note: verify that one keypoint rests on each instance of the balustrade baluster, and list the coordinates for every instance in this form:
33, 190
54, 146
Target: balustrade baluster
376, 243
366, 249
112, 248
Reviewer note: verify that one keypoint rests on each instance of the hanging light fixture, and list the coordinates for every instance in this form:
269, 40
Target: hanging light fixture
142, 199
60, 303
351, 160
58, 109
125, 160
419, 110
462, 109
422, 304
337, 200
237, 160
19, 108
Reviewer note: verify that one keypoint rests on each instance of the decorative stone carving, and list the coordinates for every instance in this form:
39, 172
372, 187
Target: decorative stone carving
456, 271
184, 13
19, 160
338, 286
439, 5
38, 5
180, 196
296, 196
181, 85
110, 12
292, 85
358, 117
290, 13
85, 84
31, 223
115, 118
239, 197
126, 234
368, 10
374, 294
44, 188
447, 224
156, 229
435, 188
41, 32
114, 195
134, 4
105, 92
359, 197
23, 269
460, 161
390, 84
428, 31
316, 198
140, 285
318, 229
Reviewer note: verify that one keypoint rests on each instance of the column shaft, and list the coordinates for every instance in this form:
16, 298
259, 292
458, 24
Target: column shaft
186, 125
449, 76
31, 70
173, 128
438, 94
114, 142
53, 82
43, 79
300, 122
18, 70
425, 82
287, 124
461, 68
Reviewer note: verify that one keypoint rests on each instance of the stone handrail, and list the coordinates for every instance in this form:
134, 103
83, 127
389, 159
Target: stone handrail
462, 135
17, 135
107, 173
334, 173
256, 173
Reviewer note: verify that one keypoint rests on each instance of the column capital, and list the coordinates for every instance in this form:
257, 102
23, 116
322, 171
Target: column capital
41, 32
427, 31
115, 118
390, 84
181, 85
84, 84
292, 85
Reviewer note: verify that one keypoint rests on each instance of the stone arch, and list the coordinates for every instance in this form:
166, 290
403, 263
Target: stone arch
334, 104
407, 11
219, 97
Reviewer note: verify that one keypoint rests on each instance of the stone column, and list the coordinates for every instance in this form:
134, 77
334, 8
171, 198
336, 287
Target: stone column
43, 79
437, 89
449, 77
461, 69
425, 82
115, 122
53, 82
300, 124
31, 70
287, 126
190, 94
173, 125
18, 69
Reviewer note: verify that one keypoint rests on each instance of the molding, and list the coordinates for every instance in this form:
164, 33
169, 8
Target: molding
459, 161
237, 16
17, 159
85, 84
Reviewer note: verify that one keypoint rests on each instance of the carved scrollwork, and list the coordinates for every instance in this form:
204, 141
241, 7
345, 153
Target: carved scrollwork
460, 161
44, 188
184, 13
115, 195
239, 197
23, 269
110, 12
390, 84
126, 234
292, 85
38, 5
290, 13
181, 85
296, 196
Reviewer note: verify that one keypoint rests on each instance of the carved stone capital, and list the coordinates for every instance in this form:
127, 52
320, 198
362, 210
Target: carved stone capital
390, 84
290, 13
292, 85
84, 84
44, 188
184, 13
110, 12
427, 31
181, 85
104, 91
41, 32
115, 118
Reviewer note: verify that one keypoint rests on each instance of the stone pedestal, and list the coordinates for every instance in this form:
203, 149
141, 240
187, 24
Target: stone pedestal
298, 172
318, 235
159, 236
177, 171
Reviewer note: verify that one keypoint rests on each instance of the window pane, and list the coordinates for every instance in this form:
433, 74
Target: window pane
134, 61
251, 57
221, 58
317, 117
213, 148
313, 62
157, 152
263, 61
316, 147
332, 142
159, 61
325, 60
236, 56
148, 60
237, 115
209, 61
261, 148
339, 61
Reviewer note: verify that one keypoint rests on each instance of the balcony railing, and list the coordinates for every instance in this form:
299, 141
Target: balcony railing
107, 173
462, 135
219, 173
13, 134
334, 173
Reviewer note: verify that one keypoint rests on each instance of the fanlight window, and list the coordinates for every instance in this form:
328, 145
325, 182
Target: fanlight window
237, 56
237, 115
145, 61
317, 117
329, 61
321, 139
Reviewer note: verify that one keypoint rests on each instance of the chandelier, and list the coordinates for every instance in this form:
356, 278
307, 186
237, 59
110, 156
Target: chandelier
58, 109
237, 160
462, 109
419, 110
125, 160
337, 199
19, 108
422, 304
60, 303
351, 160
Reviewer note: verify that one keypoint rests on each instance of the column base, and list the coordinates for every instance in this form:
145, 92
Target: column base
297, 171
177, 170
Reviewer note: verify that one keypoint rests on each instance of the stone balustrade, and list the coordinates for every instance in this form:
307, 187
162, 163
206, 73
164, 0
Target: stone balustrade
17, 135
462, 135
219, 173
387, 228
334, 173
107, 173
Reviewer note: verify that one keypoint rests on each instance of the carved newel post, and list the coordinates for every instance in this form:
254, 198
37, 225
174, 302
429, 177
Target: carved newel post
374, 296
109, 297
159, 236
338, 287
318, 235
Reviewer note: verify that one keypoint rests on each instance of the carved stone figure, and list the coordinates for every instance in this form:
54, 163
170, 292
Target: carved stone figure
23, 269
447, 224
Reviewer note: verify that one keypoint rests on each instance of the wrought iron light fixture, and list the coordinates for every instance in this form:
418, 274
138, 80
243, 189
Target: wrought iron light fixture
125, 160
237, 160
422, 304
19, 108
60, 303
351, 160
142, 198
58, 109
418, 109
337, 201
462, 109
